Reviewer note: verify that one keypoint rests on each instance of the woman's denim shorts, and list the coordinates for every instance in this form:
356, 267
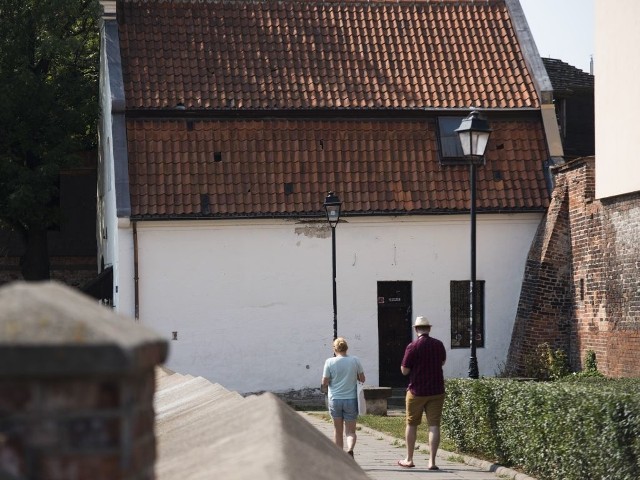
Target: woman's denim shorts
346, 409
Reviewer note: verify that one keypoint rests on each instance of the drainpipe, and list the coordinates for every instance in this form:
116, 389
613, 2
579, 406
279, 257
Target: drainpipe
135, 271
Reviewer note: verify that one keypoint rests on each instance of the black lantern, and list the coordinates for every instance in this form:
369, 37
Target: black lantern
473, 134
332, 206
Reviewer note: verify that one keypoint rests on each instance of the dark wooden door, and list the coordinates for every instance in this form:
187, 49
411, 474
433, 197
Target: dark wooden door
394, 330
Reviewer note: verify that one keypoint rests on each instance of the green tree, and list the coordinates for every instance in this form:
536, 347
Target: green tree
49, 63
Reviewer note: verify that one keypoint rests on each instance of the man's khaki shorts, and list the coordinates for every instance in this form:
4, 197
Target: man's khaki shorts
430, 405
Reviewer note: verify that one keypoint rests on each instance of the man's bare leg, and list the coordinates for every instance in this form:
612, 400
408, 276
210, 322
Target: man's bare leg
434, 443
410, 435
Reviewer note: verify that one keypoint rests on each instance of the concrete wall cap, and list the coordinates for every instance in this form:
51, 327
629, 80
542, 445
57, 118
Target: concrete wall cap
47, 328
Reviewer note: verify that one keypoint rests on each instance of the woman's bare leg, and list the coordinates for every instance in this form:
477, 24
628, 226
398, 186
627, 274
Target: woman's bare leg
338, 431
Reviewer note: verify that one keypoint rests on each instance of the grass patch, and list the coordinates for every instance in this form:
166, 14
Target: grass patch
395, 427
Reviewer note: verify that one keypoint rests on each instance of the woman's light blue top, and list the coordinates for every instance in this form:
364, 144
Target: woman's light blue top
342, 373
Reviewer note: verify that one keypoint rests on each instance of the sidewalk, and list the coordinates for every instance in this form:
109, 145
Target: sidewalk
377, 454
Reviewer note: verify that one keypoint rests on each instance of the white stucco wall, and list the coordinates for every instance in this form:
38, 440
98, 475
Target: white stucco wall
617, 98
251, 300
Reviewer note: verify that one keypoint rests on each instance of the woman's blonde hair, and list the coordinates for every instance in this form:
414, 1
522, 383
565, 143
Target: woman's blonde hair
340, 345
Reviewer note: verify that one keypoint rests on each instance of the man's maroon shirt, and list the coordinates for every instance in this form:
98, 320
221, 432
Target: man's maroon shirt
425, 357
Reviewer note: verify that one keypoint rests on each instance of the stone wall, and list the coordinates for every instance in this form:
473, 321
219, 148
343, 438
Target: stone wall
581, 289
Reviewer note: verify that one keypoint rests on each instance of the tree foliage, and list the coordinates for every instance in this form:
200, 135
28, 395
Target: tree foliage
49, 63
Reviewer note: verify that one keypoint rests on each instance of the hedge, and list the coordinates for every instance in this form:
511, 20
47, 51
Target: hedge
586, 429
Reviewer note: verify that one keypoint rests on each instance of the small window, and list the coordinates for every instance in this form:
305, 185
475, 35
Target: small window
460, 324
450, 148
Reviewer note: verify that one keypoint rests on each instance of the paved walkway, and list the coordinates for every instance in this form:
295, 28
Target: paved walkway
378, 454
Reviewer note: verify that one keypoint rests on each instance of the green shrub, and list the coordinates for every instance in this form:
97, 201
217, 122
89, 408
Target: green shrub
590, 366
565, 430
590, 362
546, 363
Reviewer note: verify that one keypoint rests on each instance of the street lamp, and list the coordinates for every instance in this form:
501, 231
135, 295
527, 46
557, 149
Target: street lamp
332, 206
473, 134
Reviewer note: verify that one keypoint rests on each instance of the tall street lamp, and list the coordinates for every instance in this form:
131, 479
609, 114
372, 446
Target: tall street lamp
332, 206
473, 134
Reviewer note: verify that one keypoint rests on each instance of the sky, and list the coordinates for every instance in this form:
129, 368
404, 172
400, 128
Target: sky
563, 29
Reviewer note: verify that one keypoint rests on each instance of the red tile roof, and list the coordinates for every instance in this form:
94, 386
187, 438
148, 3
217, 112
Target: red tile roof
276, 167
292, 54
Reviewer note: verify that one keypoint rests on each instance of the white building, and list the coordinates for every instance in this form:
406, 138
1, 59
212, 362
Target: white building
224, 127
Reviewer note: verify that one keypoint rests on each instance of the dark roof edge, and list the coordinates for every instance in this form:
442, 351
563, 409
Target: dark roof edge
121, 165
322, 216
112, 67
113, 62
573, 163
530, 52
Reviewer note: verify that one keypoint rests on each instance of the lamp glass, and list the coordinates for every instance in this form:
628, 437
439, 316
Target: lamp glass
475, 143
333, 214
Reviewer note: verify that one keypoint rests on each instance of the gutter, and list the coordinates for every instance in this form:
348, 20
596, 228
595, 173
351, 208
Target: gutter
321, 216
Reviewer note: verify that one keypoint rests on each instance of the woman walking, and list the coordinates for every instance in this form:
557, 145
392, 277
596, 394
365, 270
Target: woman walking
341, 374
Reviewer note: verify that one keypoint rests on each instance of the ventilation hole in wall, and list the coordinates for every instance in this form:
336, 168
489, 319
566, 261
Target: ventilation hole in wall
288, 188
217, 156
582, 289
204, 204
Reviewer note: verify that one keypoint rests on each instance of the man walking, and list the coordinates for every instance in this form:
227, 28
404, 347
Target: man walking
423, 361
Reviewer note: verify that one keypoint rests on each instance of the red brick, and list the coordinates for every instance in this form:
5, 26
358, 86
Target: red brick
582, 289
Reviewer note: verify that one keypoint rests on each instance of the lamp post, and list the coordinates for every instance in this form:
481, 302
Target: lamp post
332, 206
473, 134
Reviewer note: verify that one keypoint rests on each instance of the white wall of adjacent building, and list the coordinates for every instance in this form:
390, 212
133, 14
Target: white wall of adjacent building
251, 300
617, 97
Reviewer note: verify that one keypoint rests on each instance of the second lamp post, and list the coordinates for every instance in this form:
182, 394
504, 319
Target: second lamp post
332, 206
473, 134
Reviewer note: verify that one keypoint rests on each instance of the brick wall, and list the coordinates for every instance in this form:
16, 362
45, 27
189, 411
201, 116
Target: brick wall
74, 271
72, 428
581, 289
